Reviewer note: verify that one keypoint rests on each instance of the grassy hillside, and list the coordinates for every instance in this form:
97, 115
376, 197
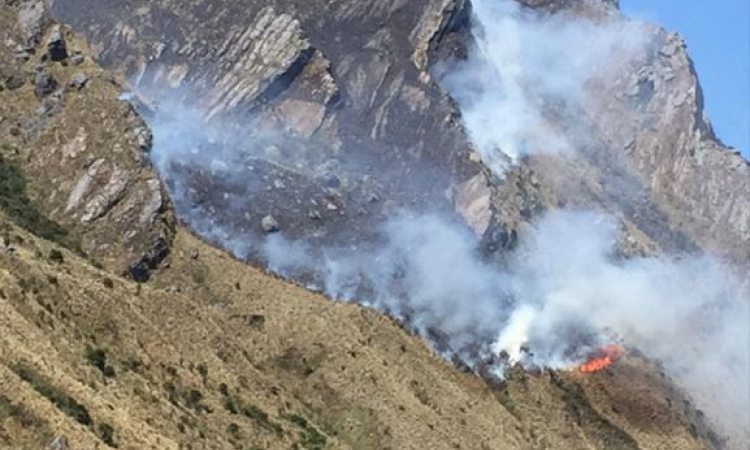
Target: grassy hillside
214, 354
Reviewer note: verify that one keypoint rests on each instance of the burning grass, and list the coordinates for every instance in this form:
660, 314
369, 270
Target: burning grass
602, 359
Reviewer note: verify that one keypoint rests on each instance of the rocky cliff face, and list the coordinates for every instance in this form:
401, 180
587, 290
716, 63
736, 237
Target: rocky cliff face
344, 74
358, 77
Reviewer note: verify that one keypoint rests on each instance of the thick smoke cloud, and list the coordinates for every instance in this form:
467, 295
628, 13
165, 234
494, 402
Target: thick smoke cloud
562, 294
426, 272
527, 71
690, 313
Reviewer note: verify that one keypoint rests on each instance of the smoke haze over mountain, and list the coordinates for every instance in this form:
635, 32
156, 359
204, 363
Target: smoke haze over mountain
562, 294
526, 76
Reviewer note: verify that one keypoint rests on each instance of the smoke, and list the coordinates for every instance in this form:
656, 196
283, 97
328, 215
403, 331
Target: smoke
562, 294
426, 272
524, 90
526, 77
690, 313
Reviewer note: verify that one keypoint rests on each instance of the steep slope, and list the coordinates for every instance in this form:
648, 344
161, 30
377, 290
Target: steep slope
214, 354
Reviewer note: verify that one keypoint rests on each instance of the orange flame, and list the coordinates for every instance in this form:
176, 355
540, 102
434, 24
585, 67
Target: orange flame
605, 358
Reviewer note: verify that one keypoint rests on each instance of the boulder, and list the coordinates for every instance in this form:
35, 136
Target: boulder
44, 84
77, 58
56, 47
269, 224
79, 81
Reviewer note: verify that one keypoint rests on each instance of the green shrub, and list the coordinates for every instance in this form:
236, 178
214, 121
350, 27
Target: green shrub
261, 419
107, 434
56, 256
59, 398
133, 364
231, 405
23, 416
193, 399
235, 405
97, 357
15, 201
312, 439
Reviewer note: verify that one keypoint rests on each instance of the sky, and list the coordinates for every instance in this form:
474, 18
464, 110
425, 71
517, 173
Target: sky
718, 36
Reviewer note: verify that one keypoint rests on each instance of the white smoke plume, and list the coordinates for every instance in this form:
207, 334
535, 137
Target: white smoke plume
690, 313
564, 293
526, 67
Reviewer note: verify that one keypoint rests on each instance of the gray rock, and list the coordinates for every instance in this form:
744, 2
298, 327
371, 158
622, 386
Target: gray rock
44, 84
79, 81
144, 137
14, 82
59, 443
56, 46
315, 215
33, 17
77, 58
269, 224
24, 52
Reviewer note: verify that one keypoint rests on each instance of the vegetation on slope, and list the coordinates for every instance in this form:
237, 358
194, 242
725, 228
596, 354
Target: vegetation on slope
16, 203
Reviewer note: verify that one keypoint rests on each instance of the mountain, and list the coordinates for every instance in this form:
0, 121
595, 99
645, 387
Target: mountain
370, 86
131, 318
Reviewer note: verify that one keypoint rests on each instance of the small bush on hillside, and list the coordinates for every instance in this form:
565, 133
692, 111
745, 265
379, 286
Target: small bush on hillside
15, 202
192, 399
58, 397
312, 439
97, 357
235, 405
56, 256
107, 434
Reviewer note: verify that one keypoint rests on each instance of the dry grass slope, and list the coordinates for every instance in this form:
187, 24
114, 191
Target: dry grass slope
215, 354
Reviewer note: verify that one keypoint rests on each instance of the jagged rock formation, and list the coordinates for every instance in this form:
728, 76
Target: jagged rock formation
83, 149
359, 76
359, 63
355, 80
702, 187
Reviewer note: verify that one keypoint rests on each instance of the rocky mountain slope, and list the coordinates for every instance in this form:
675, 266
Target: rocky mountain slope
370, 87
212, 353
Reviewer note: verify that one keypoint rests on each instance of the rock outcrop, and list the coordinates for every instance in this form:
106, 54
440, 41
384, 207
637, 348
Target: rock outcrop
82, 149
